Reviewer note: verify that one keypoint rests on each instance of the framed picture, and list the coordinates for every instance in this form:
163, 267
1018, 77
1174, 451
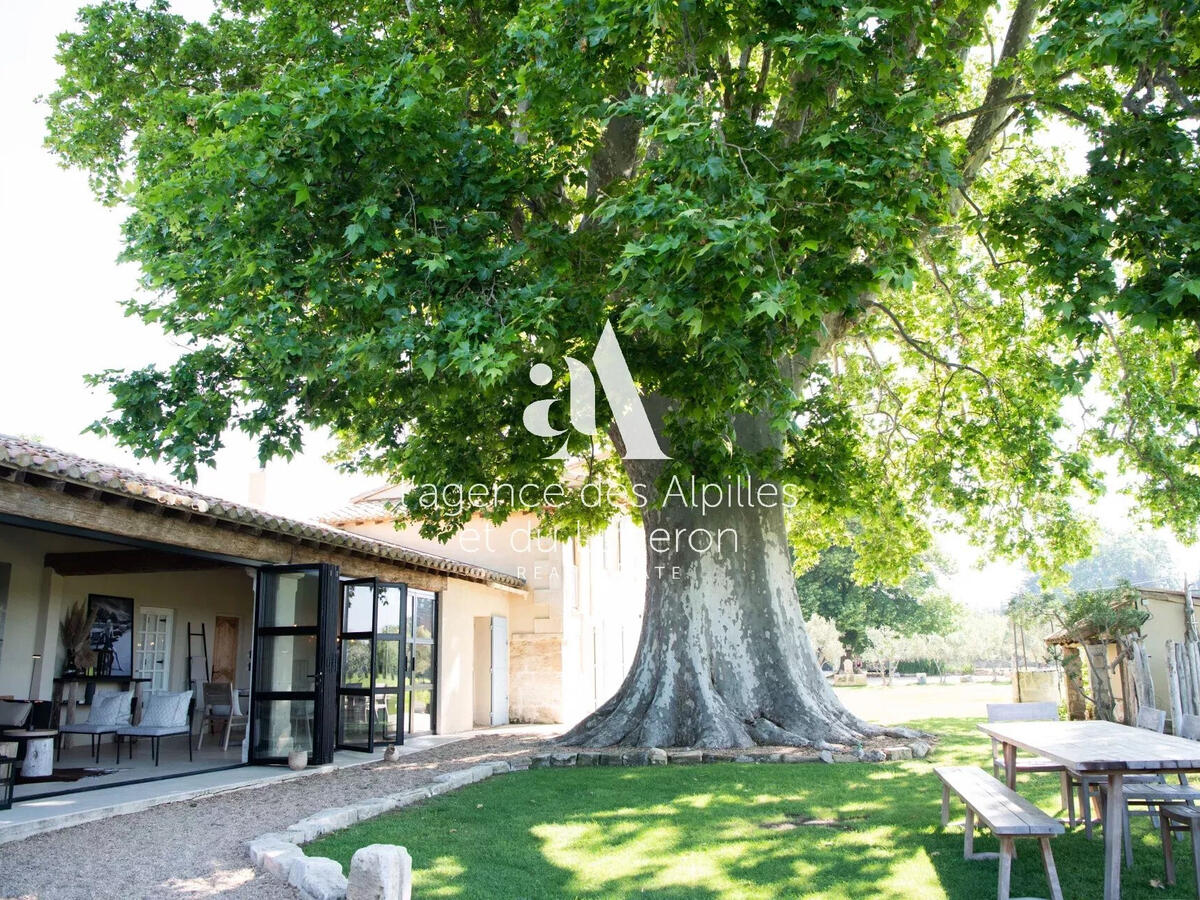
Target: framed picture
112, 634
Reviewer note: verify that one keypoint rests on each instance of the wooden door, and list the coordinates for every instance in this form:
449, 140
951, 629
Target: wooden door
225, 649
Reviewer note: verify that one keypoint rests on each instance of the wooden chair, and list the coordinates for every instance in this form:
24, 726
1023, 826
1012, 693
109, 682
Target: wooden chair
1040, 711
1092, 787
1176, 819
220, 703
1174, 802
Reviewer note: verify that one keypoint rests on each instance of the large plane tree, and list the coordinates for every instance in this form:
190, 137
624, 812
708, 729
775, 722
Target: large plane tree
906, 265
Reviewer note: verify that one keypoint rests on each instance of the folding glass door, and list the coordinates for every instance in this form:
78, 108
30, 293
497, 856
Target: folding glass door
371, 660
295, 645
420, 683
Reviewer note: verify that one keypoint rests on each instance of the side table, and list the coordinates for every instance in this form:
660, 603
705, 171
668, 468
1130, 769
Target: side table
39, 750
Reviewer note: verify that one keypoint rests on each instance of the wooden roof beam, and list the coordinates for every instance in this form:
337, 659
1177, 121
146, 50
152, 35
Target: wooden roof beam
129, 562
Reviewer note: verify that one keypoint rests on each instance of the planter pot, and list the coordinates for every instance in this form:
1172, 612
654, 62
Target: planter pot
297, 760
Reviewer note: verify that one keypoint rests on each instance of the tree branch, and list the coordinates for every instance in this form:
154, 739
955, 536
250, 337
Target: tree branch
1000, 93
921, 346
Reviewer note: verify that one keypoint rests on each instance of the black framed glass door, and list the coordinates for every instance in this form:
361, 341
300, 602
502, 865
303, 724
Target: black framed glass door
295, 631
420, 644
370, 663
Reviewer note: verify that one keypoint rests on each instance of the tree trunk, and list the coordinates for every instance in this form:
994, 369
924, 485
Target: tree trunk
723, 660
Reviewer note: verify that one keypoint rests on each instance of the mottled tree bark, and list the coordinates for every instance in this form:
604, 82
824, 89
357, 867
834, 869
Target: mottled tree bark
723, 660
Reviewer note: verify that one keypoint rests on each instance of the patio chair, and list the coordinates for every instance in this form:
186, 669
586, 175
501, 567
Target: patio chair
1040, 711
109, 713
165, 713
1092, 787
220, 703
1147, 798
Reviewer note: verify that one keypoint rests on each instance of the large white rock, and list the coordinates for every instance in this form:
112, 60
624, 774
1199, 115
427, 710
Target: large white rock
380, 872
318, 878
323, 822
452, 781
274, 855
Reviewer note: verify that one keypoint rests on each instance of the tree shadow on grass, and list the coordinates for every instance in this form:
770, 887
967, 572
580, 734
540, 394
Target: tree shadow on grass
724, 830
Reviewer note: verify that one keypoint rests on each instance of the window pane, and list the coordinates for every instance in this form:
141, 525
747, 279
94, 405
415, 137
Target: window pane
388, 656
386, 717
287, 662
391, 609
423, 620
290, 598
423, 663
353, 721
282, 726
356, 607
422, 709
356, 663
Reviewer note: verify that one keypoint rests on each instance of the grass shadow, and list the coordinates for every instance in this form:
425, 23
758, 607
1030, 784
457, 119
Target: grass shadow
730, 831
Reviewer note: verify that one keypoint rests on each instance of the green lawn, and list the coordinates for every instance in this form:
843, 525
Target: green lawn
728, 830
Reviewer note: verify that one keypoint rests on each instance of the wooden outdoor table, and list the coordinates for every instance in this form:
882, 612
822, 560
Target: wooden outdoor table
1099, 748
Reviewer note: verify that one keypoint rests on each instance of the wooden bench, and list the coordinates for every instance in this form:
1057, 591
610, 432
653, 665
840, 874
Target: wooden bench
1006, 813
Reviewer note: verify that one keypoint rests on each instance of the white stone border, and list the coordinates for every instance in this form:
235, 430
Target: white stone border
319, 878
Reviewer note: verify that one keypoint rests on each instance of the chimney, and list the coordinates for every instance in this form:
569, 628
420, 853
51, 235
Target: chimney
257, 490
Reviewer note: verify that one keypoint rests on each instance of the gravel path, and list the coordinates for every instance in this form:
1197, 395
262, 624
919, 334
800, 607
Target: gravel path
196, 848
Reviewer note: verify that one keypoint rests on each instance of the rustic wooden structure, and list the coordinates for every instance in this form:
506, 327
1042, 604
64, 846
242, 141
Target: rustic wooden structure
1127, 685
1006, 814
1183, 665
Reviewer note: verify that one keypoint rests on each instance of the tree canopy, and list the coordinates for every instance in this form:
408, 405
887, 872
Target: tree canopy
1142, 559
851, 221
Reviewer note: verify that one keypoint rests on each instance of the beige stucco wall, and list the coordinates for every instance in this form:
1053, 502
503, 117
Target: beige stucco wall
34, 608
461, 603
1165, 623
535, 683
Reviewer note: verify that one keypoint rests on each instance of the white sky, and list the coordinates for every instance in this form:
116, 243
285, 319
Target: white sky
60, 317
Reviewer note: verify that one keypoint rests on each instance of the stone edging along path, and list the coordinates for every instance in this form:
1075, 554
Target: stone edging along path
319, 878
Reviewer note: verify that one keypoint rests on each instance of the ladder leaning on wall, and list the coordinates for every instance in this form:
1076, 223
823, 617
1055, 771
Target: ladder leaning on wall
197, 663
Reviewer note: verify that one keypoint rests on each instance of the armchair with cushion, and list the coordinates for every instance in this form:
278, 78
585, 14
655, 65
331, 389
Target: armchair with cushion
165, 713
110, 712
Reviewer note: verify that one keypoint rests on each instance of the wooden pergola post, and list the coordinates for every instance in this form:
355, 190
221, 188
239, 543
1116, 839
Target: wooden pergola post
1073, 670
